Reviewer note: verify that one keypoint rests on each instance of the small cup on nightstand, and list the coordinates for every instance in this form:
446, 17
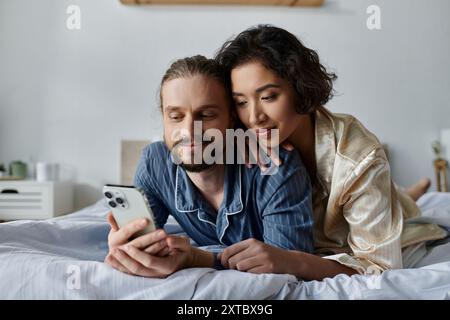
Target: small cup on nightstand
47, 171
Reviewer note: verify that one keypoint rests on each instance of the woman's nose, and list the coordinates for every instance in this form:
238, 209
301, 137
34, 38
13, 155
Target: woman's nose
257, 116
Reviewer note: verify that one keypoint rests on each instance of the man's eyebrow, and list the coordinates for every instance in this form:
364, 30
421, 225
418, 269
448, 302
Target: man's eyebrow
200, 108
172, 108
208, 106
258, 90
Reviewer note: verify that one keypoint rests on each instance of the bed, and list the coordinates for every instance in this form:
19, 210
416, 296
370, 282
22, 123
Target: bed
62, 258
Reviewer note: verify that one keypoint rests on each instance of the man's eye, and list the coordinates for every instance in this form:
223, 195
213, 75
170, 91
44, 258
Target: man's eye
174, 116
208, 115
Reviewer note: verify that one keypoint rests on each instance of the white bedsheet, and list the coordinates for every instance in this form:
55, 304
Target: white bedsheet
62, 258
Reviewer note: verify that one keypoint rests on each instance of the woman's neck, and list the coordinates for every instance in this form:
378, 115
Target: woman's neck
303, 139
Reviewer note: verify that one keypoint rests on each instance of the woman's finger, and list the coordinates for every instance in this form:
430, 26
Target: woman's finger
274, 157
287, 145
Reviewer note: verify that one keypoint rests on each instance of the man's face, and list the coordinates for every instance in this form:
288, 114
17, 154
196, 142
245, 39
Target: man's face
185, 100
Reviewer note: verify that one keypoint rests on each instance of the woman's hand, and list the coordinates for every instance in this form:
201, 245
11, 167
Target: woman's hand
255, 256
252, 155
135, 261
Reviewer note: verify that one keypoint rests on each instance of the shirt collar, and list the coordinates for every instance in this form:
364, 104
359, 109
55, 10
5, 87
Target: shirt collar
188, 199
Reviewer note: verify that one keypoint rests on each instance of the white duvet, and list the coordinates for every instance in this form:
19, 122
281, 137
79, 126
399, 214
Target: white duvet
62, 258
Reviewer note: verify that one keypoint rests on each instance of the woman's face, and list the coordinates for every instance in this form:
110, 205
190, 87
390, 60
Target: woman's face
264, 101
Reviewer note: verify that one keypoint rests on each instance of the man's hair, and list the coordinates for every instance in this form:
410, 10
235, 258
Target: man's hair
280, 51
196, 65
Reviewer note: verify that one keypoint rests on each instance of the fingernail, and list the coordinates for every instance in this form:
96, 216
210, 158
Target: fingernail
143, 222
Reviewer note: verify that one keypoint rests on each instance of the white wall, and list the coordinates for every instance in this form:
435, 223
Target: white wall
71, 96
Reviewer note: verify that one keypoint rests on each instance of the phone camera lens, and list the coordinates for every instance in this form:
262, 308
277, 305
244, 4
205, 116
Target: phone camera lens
119, 200
108, 195
112, 204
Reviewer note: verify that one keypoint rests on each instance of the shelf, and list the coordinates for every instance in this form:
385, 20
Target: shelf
292, 3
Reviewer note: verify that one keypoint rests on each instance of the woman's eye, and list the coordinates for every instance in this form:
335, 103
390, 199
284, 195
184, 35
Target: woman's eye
270, 97
240, 103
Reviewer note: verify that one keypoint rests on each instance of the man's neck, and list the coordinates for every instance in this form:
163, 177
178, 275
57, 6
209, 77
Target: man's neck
210, 183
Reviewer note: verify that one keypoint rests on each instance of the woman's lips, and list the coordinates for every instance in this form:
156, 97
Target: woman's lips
264, 132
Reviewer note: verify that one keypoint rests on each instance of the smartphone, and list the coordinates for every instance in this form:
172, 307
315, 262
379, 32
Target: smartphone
128, 203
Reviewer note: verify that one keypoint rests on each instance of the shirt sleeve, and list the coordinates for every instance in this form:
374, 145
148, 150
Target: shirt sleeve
375, 217
287, 217
143, 180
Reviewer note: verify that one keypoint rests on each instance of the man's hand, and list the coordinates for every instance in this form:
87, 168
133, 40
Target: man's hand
254, 256
153, 243
133, 260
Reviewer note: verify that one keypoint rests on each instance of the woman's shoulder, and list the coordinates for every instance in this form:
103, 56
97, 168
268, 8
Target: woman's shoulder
353, 140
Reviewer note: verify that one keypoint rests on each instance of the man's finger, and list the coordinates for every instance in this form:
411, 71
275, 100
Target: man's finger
180, 243
113, 262
232, 250
112, 222
129, 263
156, 248
249, 263
156, 264
131, 228
148, 239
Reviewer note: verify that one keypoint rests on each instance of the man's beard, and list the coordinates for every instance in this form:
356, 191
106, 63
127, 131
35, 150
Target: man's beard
196, 167
190, 167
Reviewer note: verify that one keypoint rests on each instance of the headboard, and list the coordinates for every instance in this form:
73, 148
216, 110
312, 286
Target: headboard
130, 152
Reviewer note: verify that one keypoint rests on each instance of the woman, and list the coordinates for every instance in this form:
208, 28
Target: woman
359, 213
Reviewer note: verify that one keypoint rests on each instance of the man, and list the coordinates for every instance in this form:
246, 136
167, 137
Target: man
258, 217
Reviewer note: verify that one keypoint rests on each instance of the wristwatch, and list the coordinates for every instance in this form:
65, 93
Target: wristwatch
217, 264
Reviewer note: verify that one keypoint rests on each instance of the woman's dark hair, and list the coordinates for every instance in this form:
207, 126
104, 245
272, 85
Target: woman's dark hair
280, 51
196, 65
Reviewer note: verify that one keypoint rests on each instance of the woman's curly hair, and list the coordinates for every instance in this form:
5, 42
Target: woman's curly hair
280, 51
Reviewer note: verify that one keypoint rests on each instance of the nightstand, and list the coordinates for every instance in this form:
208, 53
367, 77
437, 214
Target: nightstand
28, 199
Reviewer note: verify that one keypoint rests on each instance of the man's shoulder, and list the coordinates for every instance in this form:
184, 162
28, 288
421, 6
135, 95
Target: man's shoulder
291, 164
156, 150
155, 157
